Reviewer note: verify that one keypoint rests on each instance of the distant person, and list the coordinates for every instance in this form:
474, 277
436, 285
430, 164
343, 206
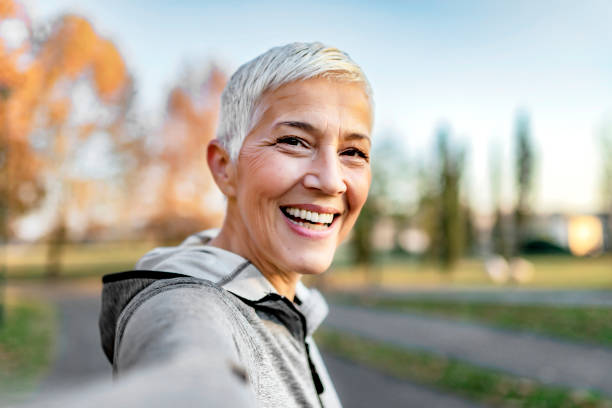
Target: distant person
223, 318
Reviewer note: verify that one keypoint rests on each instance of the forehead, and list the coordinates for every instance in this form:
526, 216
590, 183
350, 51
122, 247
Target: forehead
337, 103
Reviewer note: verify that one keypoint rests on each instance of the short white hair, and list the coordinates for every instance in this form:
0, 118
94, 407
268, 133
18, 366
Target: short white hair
271, 70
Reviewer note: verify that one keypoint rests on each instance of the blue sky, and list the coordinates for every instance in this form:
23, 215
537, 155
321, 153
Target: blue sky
469, 64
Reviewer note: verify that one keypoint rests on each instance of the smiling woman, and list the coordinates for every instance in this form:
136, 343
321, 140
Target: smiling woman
301, 159
227, 307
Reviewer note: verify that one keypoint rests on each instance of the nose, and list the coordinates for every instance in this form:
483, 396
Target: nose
326, 173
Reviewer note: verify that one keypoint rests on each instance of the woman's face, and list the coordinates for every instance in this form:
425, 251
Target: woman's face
303, 173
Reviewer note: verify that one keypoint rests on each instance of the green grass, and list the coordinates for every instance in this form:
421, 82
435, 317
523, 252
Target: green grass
584, 324
26, 345
78, 260
95, 259
69, 270
550, 272
479, 384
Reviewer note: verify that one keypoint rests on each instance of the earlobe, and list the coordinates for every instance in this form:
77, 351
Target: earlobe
221, 167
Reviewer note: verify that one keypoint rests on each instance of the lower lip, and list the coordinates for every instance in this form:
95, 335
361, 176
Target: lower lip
309, 233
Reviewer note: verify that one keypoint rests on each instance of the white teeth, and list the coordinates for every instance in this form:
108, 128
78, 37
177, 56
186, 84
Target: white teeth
326, 218
314, 217
317, 227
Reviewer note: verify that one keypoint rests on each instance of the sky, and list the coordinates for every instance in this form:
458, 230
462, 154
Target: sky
469, 65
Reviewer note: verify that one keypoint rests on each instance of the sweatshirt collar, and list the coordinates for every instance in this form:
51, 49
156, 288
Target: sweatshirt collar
193, 257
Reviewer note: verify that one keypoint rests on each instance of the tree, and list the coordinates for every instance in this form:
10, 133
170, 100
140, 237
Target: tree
21, 187
387, 198
499, 238
525, 160
451, 227
186, 197
15, 173
85, 94
361, 240
20, 184
605, 141
75, 88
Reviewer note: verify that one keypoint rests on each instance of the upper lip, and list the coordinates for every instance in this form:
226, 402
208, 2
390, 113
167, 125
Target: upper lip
314, 208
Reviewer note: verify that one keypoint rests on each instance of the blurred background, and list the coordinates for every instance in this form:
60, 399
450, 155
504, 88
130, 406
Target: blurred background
480, 270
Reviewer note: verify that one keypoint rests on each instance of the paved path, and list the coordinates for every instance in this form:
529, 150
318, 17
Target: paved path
507, 295
79, 357
360, 387
531, 356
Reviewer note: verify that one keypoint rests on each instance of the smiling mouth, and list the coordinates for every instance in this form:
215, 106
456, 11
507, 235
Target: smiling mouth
309, 219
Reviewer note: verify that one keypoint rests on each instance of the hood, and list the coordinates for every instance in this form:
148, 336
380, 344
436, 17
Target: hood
194, 258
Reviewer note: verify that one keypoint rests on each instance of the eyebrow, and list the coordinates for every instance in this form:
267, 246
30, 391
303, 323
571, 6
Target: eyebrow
307, 127
300, 125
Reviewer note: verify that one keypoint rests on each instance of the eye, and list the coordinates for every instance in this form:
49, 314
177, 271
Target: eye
354, 152
291, 141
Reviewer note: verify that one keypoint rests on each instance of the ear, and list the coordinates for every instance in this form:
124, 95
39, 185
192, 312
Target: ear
221, 167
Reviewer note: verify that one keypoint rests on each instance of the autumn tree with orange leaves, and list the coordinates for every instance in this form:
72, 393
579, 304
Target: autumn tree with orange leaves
73, 89
185, 195
20, 185
67, 145
85, 94
19, 182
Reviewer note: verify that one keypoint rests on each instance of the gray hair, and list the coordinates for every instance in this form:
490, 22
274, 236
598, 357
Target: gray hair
272, 69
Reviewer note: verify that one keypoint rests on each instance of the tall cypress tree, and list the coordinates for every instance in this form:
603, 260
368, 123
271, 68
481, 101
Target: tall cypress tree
451, 234
525, 160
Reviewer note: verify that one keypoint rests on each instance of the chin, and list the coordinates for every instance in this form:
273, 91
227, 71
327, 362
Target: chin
313, 266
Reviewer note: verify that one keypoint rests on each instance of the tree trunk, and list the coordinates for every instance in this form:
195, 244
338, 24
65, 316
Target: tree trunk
3, 260
55, 250
4, 216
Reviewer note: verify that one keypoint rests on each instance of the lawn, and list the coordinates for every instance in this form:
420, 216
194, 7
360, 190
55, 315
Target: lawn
560, 272
96, 259
79, 260
26, 345
476, 383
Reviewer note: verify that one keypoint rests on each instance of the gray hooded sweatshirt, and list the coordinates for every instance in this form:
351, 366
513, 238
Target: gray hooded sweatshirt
208, 314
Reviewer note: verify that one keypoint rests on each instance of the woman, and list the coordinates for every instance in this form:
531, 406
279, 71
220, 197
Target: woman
292, 158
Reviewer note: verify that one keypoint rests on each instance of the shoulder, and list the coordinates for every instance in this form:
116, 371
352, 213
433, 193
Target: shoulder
159, 298
174, 293
178, 297
172, 316
178, 302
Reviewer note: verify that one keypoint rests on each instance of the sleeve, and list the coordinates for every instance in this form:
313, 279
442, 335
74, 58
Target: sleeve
184, 336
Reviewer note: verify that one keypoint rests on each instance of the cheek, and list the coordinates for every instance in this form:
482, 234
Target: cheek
357, 194
268, 176
359, 185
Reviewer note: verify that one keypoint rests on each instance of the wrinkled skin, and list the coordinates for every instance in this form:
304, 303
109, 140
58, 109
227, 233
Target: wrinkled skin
309, 144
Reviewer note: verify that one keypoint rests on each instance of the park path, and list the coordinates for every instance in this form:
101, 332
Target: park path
79, 361
79, 357
547, 360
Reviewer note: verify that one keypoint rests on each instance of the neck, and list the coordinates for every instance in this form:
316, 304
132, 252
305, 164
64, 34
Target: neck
234, 239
